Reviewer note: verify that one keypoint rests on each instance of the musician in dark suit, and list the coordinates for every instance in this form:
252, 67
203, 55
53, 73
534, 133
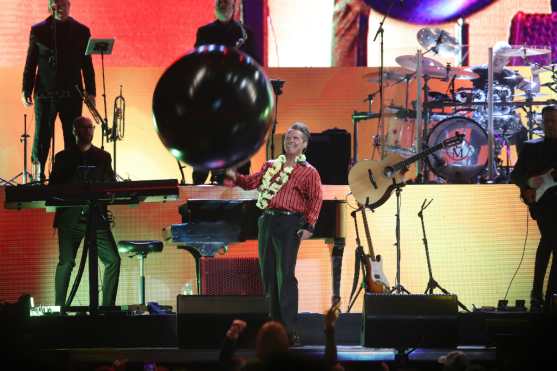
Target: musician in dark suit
536, 158
224, 30
83, 163
55, 64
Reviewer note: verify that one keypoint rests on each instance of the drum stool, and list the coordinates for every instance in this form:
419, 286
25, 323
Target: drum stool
140, 249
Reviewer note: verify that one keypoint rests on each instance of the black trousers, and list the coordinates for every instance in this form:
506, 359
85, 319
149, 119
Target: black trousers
278, 251
46, 110
546, 217
69, 240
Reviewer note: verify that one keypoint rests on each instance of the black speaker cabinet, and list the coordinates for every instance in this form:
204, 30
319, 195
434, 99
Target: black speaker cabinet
202, 320
329, 151
409, 321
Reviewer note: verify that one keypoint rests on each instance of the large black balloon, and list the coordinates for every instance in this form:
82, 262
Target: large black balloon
213, 107
429, 11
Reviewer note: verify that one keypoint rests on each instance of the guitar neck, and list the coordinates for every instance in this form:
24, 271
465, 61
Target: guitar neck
368, 235
407, 162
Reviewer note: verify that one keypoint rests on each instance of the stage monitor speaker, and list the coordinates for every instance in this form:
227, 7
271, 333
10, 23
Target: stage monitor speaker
409, 321
202, 320
329, 151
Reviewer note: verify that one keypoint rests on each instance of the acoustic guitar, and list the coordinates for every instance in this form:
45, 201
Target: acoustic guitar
372, 182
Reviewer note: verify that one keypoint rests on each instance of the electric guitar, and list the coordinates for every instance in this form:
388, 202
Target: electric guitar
549, 180
372, 182
376, 281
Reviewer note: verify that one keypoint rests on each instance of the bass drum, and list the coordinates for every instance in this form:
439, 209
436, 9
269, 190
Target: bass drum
462, 163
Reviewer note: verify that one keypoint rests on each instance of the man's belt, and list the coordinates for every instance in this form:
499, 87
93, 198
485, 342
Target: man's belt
56, 94
275, 212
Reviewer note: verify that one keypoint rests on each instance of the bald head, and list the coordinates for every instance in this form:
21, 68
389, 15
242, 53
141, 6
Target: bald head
224, 10
83, 130
59, 9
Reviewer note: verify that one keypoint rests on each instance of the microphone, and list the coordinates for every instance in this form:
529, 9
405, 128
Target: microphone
241, 41
364, 115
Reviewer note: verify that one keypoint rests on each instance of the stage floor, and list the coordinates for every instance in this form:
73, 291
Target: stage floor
88, 342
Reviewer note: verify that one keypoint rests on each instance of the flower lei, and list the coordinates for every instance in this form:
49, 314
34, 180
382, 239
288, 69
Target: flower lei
269, 186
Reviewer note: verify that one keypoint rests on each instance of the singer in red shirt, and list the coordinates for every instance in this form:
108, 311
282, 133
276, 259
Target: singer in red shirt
289, 193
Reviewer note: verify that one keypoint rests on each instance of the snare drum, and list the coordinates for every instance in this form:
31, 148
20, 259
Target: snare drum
464, 162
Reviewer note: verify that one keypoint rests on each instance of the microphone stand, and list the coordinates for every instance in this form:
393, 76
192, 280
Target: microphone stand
432, 284
105, 121
381, 31
398, 288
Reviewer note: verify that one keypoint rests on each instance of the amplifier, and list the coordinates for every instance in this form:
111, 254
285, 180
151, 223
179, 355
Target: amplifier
230, 276
329, 151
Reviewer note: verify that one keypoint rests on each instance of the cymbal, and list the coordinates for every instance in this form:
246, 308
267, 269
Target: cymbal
390, 75
461, 73
410, 62
433, 68
523, 52
438, 40
549, 68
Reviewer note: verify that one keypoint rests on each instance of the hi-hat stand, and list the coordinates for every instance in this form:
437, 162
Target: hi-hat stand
432, 284
25, 175
398, 288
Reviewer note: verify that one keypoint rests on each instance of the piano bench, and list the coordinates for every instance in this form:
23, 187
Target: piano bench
140, 249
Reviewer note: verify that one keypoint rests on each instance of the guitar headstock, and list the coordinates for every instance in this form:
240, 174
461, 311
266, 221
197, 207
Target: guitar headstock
454, 140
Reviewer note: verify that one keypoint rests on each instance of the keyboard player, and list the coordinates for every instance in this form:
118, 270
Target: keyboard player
290, 196
83, 163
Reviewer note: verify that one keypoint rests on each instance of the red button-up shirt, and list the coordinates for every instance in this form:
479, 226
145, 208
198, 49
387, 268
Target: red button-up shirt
302, 192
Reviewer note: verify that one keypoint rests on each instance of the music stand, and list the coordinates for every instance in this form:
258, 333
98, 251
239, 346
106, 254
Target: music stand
102, 47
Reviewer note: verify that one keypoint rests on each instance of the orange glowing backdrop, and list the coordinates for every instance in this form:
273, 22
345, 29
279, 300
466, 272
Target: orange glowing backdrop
476, 233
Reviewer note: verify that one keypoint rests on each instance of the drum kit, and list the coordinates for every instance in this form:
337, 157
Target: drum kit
462, 110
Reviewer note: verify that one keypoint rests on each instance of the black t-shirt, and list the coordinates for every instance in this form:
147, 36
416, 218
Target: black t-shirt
228, 34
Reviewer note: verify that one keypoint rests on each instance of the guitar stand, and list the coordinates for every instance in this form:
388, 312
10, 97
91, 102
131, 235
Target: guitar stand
432, 284
359, 265
398, 288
